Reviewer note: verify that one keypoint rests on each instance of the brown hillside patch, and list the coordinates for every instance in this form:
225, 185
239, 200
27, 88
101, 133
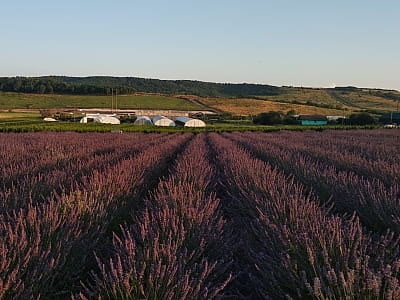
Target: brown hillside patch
253, 106
368, 101
304, 95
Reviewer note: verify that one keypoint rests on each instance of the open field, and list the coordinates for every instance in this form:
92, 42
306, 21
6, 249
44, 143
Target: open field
366, 100
343, 99
307, 95
240, 106
18, 115
200, 216
301, 100
42, 101
308, 101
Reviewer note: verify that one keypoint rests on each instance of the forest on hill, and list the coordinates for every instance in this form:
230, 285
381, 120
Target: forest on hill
59, 85
101, 85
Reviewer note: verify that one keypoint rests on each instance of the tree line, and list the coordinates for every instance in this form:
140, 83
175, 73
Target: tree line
290, 118
46, 85
190, 87
126, 85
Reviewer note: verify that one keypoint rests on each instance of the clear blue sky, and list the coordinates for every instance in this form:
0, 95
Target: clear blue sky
286, 42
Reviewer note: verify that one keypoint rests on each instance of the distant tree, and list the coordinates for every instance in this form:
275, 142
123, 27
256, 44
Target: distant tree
42, 89
290, 120
361, 119
269, 118
17, 84
49, 88
46, 113
291, 112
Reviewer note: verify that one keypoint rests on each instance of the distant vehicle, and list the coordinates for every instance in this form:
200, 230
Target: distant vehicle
390, 126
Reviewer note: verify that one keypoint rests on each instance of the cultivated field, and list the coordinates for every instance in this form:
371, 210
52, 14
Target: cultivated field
287, 215
48, 101
367, 100
310, 101
301, 100
17, 115
246, 107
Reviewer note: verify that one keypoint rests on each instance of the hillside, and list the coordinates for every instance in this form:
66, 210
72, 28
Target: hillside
247, 106
238, 99
337, 101
45, 101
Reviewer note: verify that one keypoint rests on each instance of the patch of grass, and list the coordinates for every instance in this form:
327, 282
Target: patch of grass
307, 96
308, 101
367, 100
17, 115
37, 101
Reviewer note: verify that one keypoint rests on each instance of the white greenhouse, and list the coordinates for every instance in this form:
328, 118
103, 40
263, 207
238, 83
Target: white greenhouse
105, 119
189, 122
162, 121
143, 120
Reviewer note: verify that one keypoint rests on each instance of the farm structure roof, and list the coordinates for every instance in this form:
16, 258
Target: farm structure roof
105, 119
312, 118
189, 122
163, 121
143, 120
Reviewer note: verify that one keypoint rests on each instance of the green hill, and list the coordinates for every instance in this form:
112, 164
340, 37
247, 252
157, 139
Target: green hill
94, 91
43, 101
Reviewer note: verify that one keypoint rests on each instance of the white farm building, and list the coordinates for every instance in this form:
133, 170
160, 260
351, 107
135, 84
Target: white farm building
163, 121
98, 118
189, 122
143, 120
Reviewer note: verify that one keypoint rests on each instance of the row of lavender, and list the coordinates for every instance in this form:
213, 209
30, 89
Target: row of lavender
277, 242
34, 167
194, 217
297, 248
48, 233
172, 250
359, 171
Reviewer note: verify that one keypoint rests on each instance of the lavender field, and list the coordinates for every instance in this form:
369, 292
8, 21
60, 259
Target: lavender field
251, 215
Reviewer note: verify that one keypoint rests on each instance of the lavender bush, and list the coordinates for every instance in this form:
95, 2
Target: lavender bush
288, 215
